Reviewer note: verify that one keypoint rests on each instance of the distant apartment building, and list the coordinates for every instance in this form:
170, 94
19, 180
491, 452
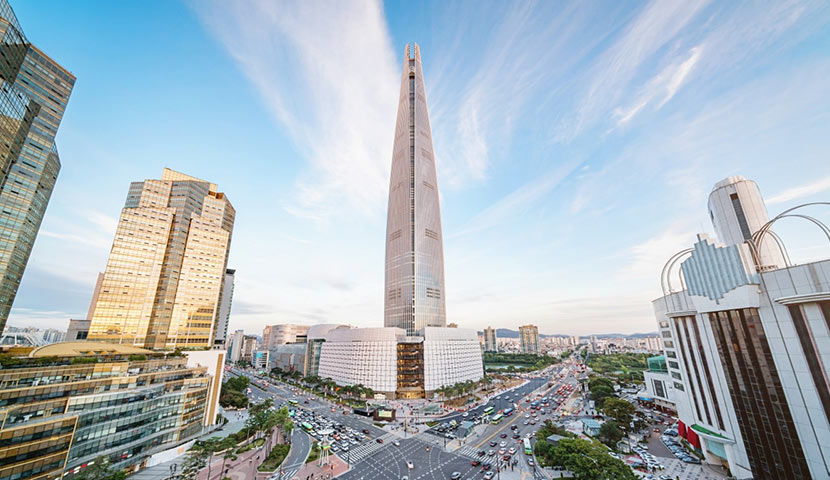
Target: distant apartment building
65, 405
529, 339
491, 341
746, 336
220, 341
260, 360
273, 335
249, 346
235, 348
163, 282
34, 91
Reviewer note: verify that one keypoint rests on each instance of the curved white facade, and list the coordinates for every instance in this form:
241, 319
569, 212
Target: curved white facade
451, 355
366, 356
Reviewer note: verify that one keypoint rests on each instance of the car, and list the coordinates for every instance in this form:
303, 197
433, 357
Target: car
503, 435
666, 477
405, 477
502, 444
475, 463
379, 440
366, 431
489, 475
516, 436
395, 443
481, 453
530, 461
465, 414
455, 475
493, 443
513, 427
491, 452
409, 465
486, 466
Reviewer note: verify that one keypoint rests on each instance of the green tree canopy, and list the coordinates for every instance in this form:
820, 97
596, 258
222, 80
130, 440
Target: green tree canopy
589, 461
620, 410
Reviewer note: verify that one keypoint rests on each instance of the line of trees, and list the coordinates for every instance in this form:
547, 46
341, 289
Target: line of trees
324, 385
232, 394
463, 388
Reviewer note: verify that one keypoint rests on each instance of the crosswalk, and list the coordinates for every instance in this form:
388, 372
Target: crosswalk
362, 451
468, 451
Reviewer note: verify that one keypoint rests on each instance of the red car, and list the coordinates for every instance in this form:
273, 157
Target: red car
475, 463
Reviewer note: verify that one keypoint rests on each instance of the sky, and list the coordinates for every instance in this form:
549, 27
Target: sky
576, 144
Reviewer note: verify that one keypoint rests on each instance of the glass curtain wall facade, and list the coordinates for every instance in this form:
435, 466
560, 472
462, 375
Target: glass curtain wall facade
57, 414
414, 276
34, 91
165, 274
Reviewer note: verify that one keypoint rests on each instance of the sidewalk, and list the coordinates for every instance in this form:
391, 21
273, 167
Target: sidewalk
333, 468
236, 422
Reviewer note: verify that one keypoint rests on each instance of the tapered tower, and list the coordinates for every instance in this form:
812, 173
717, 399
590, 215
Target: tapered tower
414, 293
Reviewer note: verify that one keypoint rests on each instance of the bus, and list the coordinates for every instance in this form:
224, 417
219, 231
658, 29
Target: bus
293, 402
307, 427
508, 412
489, 410
528, 449
496, 419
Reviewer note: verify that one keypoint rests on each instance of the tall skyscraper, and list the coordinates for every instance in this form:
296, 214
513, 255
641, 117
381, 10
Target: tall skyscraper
165, 273
34, 91
529, 339
414, 287
491, 341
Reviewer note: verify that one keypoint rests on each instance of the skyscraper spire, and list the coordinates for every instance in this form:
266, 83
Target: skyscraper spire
414, 293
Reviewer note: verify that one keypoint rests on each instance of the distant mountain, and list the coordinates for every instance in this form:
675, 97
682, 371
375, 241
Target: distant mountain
507, 333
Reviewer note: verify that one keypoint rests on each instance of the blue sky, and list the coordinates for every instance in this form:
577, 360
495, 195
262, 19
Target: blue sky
576, 144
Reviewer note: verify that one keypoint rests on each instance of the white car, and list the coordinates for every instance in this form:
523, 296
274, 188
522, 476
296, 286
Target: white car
396, 443
409, 465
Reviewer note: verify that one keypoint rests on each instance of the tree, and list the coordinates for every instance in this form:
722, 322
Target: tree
620, 410
100, 469
610, 433
588, 461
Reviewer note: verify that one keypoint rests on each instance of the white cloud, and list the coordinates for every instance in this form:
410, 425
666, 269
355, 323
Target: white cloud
801, 191
328, 74
665, 85
649, 257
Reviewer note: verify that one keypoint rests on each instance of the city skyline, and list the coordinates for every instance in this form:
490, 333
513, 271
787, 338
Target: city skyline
646, 119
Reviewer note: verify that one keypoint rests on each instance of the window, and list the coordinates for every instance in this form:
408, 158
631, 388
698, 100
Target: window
674, 365
678, 386
676, 376
668, 344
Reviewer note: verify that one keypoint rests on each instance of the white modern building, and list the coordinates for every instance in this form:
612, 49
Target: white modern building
220, 338
400, 366
747, 343
236, 341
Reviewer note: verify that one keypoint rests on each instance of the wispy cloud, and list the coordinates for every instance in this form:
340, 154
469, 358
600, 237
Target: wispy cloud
329, 76
661, 88
801, 191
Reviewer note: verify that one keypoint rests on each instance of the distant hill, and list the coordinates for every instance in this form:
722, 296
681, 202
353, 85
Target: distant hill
507, 333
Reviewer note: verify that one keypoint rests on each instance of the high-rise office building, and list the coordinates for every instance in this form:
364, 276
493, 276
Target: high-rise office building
164, 277
34, 91
491, 341
746, 342
529, 339
414, 294
249, 346
221, 338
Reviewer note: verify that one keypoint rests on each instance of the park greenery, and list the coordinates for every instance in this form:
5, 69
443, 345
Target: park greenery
352, 395
262, 421
625, 367
610, 434
518, 362
233, 392
601, 388
275, 458
585, 459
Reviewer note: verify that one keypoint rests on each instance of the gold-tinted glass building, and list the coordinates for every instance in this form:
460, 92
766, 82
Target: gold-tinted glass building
67, 404
164, 277
34, 91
